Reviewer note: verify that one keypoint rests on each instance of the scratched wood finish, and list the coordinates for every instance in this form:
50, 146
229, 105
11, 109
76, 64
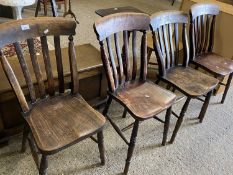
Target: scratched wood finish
63, 130
190, 82
56, 119
202, 29
127, 76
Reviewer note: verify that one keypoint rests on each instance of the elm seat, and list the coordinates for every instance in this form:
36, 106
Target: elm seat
183, 77
215, 63
65, 119
144, 100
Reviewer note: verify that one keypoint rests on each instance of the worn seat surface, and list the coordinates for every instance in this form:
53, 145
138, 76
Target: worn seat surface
215, 63
144, 100
190, 81
62, 120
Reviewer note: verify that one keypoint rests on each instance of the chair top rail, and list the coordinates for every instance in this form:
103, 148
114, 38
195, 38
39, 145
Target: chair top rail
167, 17
204, 9
34, 27
119, 22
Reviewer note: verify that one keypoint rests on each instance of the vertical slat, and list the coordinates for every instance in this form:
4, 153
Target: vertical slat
202, 32
170, 30
212, 30
199, 33
193, 38
48, 67
112, 60
206, 33
119, 58
166, 46
186, 46
59, 63
160, 33
107, 67
176, 43
134, 47
14, 82
126, 55
73, 66
25, 71
143, 70
159, 55
36, 68
196, 35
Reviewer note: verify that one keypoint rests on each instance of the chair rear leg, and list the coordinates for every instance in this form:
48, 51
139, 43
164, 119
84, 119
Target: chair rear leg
131, 146
166, 125
37, 8
124, 113
227, 88
43, 165
45, 7
204, 107
25, 136
101, 147
149, 52
180, 119
106, 108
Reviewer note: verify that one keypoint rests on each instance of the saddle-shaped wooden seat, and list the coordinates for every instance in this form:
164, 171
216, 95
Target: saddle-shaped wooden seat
65, 119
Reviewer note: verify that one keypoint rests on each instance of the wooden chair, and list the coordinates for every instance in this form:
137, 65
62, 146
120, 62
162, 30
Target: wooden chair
45, 4
202, 26
54, 119
190, 82
142, 99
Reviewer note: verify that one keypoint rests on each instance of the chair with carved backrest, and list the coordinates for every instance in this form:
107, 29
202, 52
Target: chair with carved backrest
142, 99
166, 27
55, 118
202, 29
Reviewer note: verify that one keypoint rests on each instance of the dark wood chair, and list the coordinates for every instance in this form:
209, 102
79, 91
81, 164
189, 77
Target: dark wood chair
203, 17
165, 28
142, 99
55, 118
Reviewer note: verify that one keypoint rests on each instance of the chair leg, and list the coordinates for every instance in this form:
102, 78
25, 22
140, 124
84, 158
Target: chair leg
157, 81
106, 108
131, 146
101, 147
204, 107
37, 8
124, 113
166, 125
45, 7
173, 2
25, 136
149, 52
43, 165
180, 119
65, 6
227, 88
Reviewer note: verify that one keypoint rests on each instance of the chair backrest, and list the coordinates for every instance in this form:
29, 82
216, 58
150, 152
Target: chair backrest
202, 25
166, 27
26, 30
112, 26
